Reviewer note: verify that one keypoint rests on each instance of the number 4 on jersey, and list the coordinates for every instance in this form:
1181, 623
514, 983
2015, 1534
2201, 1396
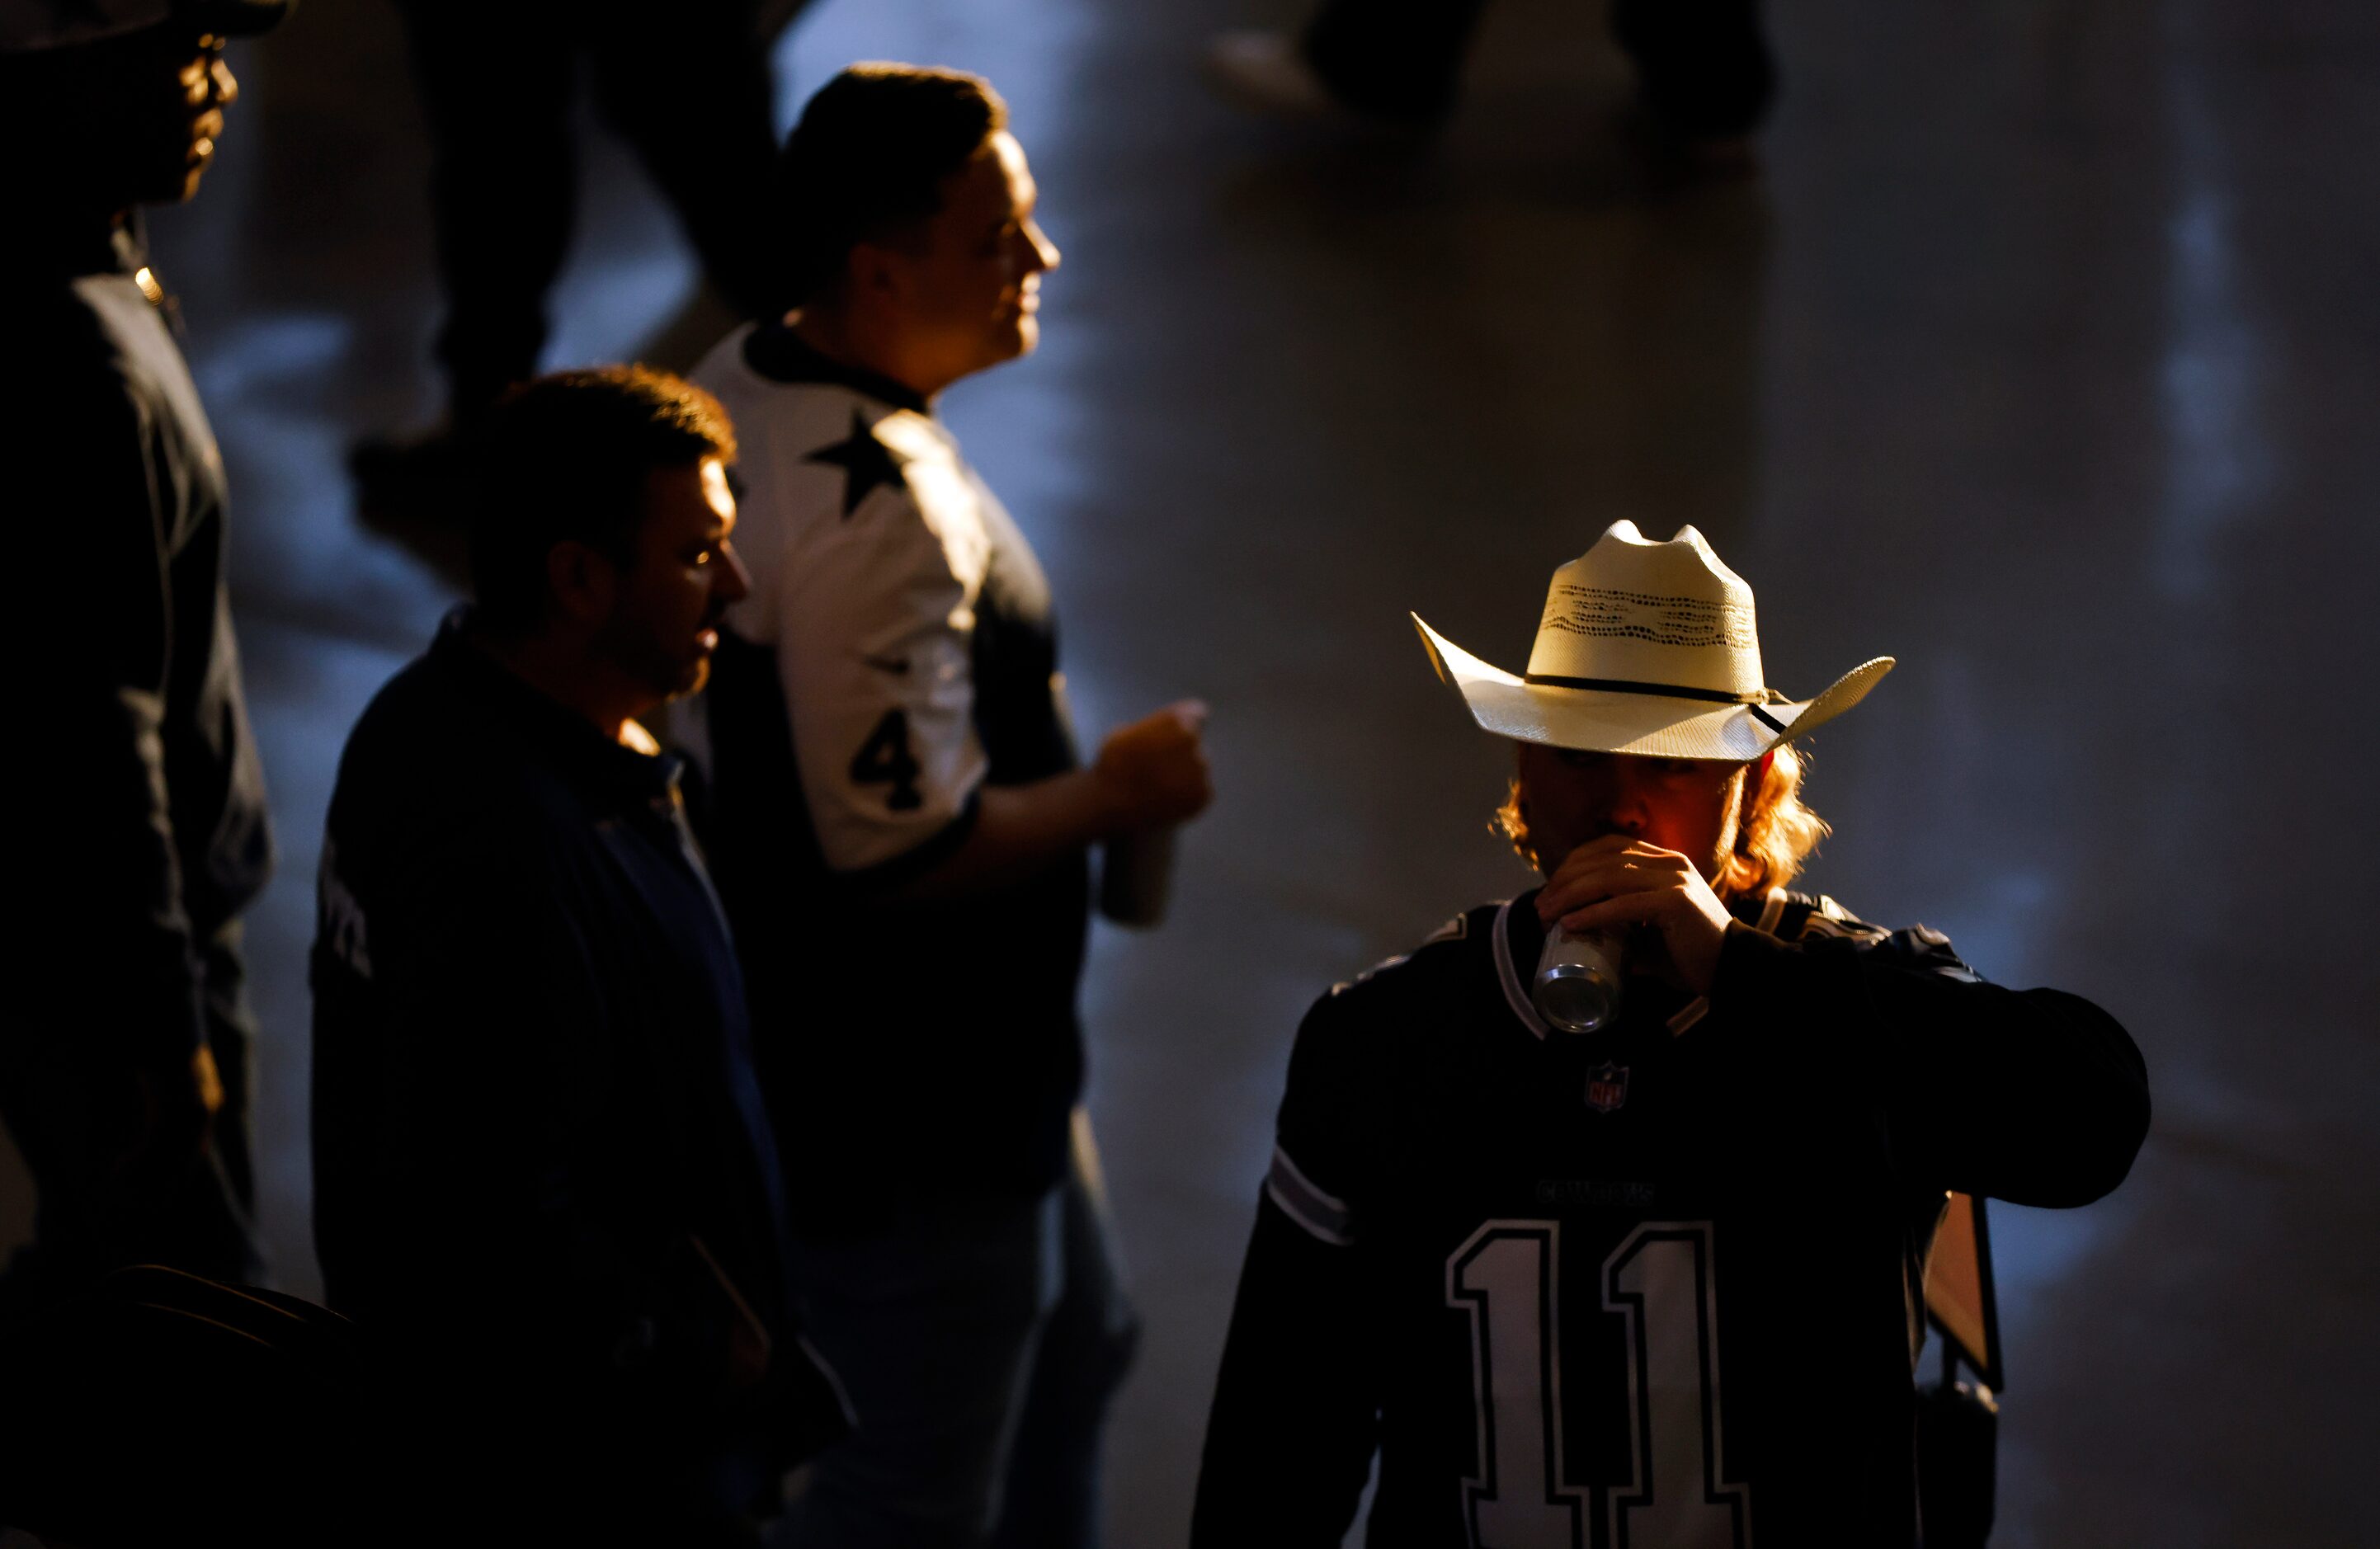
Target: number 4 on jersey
1659, 1283
885, 760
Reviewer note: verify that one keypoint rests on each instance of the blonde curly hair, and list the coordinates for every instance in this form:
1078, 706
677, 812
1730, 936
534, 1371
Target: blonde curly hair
1775, 834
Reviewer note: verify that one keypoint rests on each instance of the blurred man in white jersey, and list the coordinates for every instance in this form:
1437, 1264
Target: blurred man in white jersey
887, 732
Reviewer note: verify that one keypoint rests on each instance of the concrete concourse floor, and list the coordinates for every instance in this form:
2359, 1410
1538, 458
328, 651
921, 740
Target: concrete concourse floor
2045, 355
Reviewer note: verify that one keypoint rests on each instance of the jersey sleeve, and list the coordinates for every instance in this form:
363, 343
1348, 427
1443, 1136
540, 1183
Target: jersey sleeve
2036, 1097
1918, 949
874, 635
1293, 1422
1323, 1156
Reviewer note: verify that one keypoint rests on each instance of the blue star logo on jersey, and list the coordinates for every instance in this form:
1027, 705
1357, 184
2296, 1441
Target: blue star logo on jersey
866, 463
1607, 1086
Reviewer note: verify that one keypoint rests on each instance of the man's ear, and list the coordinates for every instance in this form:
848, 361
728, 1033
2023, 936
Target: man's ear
583, 581
872, 276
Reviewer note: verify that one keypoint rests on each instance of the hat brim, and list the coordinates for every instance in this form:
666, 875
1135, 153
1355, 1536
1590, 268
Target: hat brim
1640, 725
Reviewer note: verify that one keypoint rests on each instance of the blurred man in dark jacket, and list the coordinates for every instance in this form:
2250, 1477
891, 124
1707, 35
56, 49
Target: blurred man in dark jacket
128, 1095
541, 1157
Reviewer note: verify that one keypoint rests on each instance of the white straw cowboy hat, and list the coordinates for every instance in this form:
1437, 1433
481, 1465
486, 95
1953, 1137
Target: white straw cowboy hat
1645, 648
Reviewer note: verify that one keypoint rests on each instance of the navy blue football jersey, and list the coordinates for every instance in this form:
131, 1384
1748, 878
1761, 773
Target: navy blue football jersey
1651, 1286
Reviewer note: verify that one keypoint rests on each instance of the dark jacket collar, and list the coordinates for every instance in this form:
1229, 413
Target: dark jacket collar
778, 352
74, 249
549, 732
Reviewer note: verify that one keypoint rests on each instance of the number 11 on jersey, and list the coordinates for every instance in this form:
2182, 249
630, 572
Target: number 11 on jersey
1658, 1281
1505, 1274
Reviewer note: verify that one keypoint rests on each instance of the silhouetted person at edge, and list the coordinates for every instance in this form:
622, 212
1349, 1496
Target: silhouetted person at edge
125, 1080
686, 85
542, 1170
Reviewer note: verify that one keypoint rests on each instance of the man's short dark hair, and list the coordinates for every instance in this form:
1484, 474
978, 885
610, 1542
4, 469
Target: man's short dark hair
867, 160
565, 457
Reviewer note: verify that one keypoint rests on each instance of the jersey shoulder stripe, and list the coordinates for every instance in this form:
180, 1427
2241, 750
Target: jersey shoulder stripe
1457, 930
1816, 917
1792, 917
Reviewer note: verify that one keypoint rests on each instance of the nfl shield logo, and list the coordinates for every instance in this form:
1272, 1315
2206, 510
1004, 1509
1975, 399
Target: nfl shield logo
1607, 1086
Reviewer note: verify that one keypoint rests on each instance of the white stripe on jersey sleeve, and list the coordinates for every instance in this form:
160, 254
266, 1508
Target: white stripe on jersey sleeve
1321, 1213
1830, 919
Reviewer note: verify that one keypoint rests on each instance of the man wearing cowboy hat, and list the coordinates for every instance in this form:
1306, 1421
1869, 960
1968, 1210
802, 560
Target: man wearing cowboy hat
1655, 1283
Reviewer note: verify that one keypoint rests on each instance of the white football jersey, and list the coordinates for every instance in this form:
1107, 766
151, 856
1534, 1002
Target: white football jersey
869, 541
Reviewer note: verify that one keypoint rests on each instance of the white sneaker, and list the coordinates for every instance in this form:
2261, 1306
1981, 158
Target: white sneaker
1265, 72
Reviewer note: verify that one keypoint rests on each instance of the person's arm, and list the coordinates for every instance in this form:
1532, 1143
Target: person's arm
106, 867
1289, 1437
475, 1184
874, 645
456, 1033
2035, 1096
1149, 774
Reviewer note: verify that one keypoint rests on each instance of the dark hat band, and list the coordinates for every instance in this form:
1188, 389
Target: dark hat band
1751, 701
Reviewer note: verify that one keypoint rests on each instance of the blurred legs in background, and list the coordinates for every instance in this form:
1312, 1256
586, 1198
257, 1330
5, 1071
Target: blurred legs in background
1703, 67
980, 1343
688, 85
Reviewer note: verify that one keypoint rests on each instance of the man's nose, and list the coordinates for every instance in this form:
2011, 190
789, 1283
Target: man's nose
1626, 811
1045, 252
732, 583
226, 84
1625, 820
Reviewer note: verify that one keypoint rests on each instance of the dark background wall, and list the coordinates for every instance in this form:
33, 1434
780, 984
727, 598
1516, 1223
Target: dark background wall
2045, 355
